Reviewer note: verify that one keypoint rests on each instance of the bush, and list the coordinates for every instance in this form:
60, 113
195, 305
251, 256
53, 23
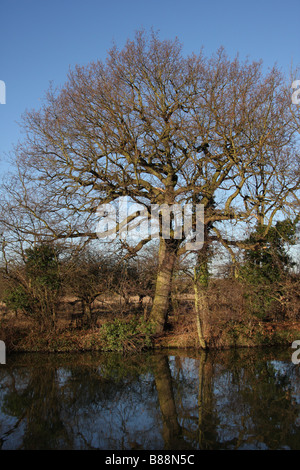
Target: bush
17, 299
36, 285
127, 335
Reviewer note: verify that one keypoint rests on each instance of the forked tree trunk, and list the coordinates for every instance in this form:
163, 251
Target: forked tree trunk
166, 261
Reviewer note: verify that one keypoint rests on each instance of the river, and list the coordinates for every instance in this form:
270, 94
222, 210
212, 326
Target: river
181, 399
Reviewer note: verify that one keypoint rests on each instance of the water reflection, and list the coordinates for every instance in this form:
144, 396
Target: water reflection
179, 400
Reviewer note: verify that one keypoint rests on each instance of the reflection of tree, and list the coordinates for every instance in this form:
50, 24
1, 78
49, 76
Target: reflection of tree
258, 410
172, 432
243, 401
64, 404
207, 434
179, 430
199, 415
39, 405
267, 393
5, 436
106, 403
223, 400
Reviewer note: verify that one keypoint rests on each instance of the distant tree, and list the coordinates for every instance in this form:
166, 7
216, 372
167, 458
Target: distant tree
36, 285
85, 277
267, 264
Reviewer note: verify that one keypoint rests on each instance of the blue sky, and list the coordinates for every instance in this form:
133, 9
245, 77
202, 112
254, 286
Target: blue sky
41, 40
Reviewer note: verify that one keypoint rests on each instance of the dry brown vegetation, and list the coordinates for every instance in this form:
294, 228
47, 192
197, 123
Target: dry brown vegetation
229, 324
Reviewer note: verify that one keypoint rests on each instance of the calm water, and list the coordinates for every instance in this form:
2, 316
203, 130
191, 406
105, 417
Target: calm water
175, 400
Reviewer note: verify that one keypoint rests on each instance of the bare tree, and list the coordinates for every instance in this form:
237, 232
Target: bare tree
160, 128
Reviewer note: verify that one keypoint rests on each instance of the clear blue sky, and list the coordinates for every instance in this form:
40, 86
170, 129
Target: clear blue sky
40, 40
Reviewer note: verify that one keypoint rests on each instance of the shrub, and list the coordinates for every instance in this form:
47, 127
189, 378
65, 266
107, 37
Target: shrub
127, 335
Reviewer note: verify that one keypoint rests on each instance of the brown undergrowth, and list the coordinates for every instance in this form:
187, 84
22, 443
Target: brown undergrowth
228, 325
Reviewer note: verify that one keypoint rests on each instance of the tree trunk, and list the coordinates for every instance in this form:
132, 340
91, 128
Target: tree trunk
200, 289
201, 308
53, 316
86, 312
166, 261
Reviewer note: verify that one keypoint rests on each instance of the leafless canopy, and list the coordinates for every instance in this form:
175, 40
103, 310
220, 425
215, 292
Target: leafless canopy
158, 127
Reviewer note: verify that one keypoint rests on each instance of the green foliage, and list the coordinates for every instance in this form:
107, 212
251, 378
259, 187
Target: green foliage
18, 299
267, 265
269, 260
42, 266
127, 335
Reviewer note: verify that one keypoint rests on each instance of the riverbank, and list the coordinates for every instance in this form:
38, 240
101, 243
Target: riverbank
132, 335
